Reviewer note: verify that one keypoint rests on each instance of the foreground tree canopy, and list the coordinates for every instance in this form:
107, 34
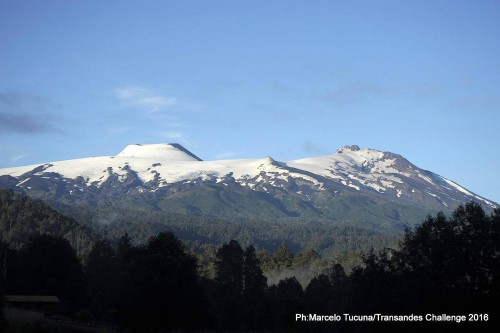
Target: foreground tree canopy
445, 265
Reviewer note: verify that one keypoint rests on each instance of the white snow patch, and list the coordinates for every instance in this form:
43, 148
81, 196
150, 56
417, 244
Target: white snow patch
377, 187
22, 182
427, 179
353, 186
163, 152
463, 190
387, 183
457, 187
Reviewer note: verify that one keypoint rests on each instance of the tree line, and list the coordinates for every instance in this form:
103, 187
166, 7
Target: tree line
445, 265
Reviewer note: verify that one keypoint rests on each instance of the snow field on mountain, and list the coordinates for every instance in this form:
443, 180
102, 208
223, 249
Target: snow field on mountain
164, 164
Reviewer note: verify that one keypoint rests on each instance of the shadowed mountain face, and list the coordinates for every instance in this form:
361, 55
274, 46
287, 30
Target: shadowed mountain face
363, 187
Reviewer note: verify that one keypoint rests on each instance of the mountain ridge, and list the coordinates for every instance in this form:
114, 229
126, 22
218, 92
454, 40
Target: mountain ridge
363, 185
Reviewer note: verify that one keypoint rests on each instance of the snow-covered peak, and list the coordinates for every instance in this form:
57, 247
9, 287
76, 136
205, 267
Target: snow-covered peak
269, 162
348, 148
355, 151
162, 151
158, 166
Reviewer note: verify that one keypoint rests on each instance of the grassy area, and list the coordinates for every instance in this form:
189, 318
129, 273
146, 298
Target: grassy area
25, 321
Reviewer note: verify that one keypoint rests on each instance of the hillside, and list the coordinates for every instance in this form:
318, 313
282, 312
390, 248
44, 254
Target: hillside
365, 188
22, 217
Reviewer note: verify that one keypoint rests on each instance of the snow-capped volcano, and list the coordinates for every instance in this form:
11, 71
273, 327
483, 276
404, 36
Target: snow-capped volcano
384, 172
162, 151
318, 187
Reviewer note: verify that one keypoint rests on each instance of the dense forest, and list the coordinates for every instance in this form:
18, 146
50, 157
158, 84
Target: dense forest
22, 217
446, 265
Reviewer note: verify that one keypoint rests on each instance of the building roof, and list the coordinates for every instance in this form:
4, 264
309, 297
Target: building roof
31, 298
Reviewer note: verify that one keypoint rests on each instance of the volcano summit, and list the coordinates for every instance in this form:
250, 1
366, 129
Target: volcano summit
353, 185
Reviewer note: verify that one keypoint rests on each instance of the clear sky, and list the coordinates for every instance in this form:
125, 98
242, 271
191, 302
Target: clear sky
249, 79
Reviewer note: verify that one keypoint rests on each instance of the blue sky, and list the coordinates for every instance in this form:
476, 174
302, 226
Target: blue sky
247, 79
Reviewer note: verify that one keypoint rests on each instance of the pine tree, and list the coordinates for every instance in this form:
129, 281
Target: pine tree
283, 257
255, 284
229, 267
166, 294
50, 267
101, 273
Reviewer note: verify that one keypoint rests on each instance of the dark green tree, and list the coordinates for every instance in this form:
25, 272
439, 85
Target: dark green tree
495, 259
283, 257
340, 289
255, 284
318, 294
3, 282
451, 263
308, 257
101, 273
126, 262
479, 254
289, 301
168, 295
124, 246
374, 285
50, 267
229, 268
